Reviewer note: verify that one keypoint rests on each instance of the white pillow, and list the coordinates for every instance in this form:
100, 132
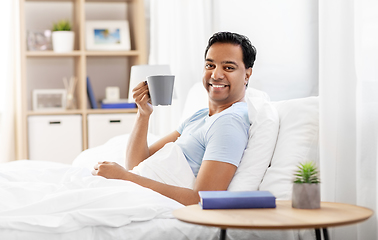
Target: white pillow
258, 154
257, 97
255, 100
297, 142
114, 150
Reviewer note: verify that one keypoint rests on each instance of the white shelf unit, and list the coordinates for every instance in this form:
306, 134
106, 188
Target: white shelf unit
46, 69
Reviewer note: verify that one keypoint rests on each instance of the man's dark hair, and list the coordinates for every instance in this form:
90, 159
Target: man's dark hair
249, 51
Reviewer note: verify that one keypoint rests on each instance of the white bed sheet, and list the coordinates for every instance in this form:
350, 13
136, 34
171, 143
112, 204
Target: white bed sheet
55, 198
156, 229
94, 208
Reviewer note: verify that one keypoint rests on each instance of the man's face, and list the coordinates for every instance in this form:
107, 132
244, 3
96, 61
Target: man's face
225, 76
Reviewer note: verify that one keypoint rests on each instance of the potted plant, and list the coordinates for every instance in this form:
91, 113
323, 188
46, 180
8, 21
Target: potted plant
306, 187
62, 36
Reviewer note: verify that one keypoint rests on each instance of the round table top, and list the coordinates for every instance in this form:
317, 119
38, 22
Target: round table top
282, 217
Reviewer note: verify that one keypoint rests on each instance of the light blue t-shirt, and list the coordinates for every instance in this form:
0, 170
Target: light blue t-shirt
221, 137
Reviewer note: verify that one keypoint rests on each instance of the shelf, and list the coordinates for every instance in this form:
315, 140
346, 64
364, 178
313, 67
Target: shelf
104, 111
78, 111
112, 53
63, 112
46, 69
109, 0
51, 0
132, 53
79, 0
52, 54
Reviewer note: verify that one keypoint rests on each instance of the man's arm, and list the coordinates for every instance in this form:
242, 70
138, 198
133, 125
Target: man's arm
212, 176
137, 147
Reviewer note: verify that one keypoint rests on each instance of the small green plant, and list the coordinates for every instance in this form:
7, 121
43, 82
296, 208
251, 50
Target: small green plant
62, 25
307, 173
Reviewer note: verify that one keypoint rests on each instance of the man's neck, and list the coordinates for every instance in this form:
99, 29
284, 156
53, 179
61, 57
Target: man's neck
215, 108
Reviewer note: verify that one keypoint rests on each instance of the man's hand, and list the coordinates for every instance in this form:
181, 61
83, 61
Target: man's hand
109, 170
142, 99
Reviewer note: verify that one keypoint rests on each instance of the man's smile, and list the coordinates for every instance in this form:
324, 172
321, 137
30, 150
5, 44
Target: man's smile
218, 85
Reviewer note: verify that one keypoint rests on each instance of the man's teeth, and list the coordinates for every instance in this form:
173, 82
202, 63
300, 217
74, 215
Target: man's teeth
218, 86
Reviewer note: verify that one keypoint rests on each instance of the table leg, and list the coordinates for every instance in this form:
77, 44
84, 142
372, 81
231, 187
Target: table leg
317, 234
222, 234
325, 234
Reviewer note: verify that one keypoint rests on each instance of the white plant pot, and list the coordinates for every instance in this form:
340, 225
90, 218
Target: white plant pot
63, 41
306, 195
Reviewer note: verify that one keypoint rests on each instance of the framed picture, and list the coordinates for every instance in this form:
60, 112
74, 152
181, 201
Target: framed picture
39, 40
49, 99
107, 35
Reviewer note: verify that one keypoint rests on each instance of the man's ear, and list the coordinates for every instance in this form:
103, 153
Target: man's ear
248, 74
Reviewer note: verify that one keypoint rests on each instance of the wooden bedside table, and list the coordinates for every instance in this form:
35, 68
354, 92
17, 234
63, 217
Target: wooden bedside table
282, 217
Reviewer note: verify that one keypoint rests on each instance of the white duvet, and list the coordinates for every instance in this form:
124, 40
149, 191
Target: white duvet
43, 196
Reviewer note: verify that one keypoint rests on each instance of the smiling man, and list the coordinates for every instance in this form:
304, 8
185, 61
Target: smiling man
226, 75
213, 139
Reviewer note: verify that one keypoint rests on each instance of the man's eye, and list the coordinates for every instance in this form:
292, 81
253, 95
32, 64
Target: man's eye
229, 68
208, 66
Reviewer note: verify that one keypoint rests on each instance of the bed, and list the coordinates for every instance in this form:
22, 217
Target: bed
47, 200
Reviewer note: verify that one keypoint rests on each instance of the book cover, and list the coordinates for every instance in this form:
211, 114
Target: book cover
236, 200
118, 105
121, 100
91, 96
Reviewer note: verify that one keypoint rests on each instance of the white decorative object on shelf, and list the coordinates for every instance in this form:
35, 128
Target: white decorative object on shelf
63, 41
108, 35
70, 86
49, 99
112, 93
62, 37
39, 40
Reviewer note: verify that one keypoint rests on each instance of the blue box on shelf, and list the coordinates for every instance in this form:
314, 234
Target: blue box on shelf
113, 104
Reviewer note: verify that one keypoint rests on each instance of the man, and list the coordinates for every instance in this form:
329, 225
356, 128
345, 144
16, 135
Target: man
213, 140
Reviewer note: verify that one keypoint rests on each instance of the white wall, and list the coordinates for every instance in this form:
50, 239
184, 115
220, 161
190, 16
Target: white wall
285, 34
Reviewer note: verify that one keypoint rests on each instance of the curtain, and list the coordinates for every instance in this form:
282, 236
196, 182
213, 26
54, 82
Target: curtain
9, 48
179, 31
285, 34
348, 89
